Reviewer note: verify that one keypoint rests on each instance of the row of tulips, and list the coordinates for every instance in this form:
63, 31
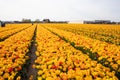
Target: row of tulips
107, 54
58, 60
13, 53
12, 26
11, 31
107, 33
8, 27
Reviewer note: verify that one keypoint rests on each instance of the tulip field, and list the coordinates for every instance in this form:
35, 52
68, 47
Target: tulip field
60, 52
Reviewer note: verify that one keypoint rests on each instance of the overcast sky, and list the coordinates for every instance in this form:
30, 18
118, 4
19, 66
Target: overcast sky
70, 10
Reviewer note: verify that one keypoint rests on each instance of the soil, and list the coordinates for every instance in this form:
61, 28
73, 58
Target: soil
32, 71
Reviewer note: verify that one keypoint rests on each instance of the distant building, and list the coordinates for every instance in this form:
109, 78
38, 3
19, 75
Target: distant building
37, 21
15, 22
88, 22
76, 22
46, 20
26, 20
102, 22
98, 22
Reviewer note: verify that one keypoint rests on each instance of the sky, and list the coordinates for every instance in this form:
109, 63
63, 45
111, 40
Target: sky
63, 10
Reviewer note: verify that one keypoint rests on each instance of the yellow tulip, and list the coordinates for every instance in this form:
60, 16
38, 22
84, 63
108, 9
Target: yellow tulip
6, 75
49, 78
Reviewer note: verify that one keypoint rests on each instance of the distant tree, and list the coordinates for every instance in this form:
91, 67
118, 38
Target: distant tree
37, 20
26, 20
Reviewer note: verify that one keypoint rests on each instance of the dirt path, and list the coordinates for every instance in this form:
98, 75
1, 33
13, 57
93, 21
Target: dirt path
32, 71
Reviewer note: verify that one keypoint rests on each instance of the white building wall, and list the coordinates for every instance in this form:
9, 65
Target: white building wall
76, 22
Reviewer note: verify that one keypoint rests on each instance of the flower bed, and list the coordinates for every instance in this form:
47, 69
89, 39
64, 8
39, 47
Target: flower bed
58, 60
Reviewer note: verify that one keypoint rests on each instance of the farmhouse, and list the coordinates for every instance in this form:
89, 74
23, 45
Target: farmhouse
46, 20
